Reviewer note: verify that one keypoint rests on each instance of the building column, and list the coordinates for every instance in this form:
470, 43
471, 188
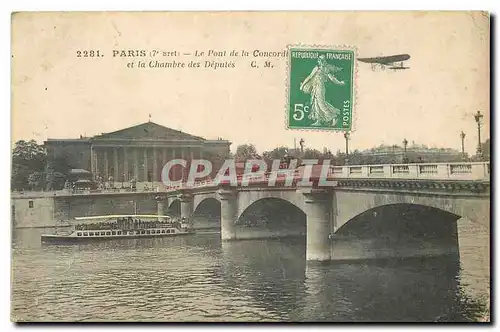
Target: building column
106, 165
186, 205
191, 157
228, 213
174, 173
92, 163
136, 164
145, 163
115, 165
96, 164
181, 170
125, 164
155, 166
318, 214
164, 161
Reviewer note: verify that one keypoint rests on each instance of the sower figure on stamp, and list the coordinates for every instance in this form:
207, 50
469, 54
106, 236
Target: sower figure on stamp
315, 84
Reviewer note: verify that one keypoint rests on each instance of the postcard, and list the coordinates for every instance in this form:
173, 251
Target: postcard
250, 167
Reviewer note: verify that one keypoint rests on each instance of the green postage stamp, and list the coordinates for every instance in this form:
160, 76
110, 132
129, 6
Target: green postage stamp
321, 88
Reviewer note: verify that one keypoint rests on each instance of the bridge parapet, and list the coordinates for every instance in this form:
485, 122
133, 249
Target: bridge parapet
432, 171
439, 171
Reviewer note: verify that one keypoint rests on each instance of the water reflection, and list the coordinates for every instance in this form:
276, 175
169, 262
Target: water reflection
270, 271
198, 278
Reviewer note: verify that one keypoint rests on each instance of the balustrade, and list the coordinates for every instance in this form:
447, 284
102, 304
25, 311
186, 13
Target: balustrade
401, 169
355, 170
427, 169
442, 171
461, 169
376, 169
438, 171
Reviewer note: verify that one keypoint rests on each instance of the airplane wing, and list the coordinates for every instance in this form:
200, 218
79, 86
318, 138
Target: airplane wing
396, 58
386, 60
399, 68
369, 60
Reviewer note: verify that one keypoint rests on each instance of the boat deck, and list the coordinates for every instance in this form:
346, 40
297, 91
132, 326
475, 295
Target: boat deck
118, 230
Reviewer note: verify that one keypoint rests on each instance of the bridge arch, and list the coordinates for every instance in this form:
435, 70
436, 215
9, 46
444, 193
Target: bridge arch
272, 217
207, 213
201, 198
398, 230
202, 205
402, 219
248, 198
174, 207
350, 204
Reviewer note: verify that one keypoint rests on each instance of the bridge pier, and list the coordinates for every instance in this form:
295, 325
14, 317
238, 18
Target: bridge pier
186, 205
162, 206
318, 211
228, 213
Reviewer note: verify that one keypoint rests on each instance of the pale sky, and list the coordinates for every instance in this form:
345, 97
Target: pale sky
57, 95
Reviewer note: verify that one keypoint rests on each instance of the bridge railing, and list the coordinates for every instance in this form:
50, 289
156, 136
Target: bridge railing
439, 171
143, 188
444, 171
197, 184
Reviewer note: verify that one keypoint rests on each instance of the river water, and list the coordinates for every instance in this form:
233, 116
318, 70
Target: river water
198, 278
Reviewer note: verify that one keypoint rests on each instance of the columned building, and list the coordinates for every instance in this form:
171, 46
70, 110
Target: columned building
138, 152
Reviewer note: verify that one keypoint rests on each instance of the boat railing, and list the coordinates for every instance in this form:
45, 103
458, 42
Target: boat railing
127, 225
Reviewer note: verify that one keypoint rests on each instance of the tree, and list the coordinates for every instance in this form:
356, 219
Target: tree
57, 170
356, 158
30, 154
312, 154
338, 159
36, 180
277, 153
19, 177
27, 158
245, 151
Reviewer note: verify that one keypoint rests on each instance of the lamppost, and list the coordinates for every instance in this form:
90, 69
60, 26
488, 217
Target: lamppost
478, 117
301, 143
346, 136
405, 144
462, 136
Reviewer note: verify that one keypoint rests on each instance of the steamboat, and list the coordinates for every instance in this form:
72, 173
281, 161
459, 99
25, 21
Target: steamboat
119, 227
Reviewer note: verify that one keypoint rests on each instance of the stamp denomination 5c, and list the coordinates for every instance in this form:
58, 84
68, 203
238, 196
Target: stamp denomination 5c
321, 84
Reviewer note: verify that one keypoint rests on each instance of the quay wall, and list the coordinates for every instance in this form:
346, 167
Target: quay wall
32, 212
51, 211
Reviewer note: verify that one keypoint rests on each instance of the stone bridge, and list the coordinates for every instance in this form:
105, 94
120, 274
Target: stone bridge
348, 219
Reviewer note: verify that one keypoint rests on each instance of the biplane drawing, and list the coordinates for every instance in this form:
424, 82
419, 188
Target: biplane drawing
394, 62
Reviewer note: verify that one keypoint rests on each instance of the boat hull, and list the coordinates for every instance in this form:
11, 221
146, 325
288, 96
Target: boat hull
68, 239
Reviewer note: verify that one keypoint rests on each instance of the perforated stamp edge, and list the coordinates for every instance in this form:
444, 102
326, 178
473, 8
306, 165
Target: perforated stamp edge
354, 113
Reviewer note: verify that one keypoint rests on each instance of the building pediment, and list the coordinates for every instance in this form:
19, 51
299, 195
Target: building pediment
147, 131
